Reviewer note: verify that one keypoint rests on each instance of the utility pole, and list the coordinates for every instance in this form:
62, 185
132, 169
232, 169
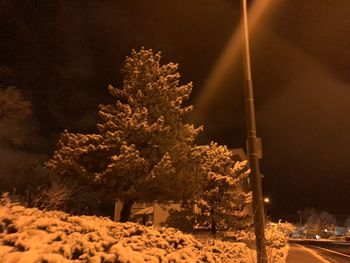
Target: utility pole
255, 175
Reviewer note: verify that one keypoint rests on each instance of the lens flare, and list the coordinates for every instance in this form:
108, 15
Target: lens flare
229, 56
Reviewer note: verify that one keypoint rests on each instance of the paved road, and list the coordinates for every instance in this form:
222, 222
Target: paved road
335, 252
300, 254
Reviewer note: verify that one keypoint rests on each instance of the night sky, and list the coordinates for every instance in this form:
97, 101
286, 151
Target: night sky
64, 54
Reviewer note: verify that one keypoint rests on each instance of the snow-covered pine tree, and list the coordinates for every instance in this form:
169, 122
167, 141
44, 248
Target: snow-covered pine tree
142, 148
221, 202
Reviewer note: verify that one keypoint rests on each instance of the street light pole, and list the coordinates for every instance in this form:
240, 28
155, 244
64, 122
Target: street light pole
266, 205
255, 176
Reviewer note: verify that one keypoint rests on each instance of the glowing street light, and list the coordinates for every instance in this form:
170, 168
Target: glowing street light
266, 204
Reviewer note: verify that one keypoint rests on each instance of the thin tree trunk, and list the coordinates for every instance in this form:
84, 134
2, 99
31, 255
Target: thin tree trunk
213, 223
126, 210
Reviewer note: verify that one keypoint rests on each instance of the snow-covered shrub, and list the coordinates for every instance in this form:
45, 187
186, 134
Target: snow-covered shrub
26, 179
275, 236
286, 228
69, 197
53, 197
31, 235
276, 240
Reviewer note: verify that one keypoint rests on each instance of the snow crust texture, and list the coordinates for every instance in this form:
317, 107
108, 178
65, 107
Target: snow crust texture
30, 235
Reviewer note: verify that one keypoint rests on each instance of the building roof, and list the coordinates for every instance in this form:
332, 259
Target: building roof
145, 211
238, 154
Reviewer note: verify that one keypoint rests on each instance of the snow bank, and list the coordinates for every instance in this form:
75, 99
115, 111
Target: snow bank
30, 235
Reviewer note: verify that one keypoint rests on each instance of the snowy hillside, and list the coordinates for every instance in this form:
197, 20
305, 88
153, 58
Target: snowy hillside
30, 235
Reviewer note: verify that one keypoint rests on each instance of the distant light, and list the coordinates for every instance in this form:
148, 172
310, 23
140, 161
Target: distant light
318, 237
326, 230
266, 200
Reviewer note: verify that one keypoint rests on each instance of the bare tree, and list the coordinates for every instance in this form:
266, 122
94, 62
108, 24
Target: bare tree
13, 106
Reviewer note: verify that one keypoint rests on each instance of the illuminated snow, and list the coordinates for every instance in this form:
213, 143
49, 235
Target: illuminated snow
30, 235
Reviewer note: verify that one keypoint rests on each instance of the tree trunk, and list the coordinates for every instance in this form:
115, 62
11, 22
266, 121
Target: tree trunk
126, 210
213, 223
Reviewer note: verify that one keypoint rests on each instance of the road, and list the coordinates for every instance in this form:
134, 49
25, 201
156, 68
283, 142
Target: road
335, 252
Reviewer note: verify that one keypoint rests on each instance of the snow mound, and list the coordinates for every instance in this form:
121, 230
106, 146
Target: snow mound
30, 235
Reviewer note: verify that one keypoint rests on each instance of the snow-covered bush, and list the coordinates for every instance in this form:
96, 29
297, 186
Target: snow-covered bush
277, 234
30, 235
286, 228
276, 240
53, 197
72, 198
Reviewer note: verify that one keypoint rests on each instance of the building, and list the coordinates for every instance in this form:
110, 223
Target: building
152, 213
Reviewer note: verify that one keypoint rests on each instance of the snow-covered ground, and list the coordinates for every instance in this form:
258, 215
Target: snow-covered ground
30, 235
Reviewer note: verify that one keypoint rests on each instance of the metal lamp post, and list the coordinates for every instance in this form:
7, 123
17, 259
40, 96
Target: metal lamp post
255, 177
266, 205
